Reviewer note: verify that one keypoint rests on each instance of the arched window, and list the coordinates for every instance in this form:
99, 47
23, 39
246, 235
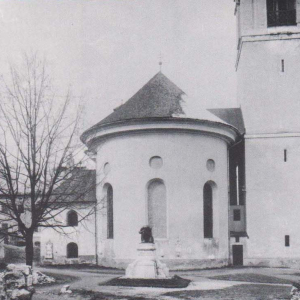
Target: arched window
110, 211
72, 250
208, 210
72, 218
157, 208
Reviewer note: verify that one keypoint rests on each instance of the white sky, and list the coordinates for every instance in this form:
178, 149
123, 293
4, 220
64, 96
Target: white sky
107, 49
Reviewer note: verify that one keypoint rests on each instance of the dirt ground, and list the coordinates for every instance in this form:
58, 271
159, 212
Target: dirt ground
227, 283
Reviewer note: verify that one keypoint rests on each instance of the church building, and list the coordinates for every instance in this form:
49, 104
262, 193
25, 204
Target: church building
217, 186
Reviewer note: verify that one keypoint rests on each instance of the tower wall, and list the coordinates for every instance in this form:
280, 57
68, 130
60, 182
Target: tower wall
268, 84
268, 91
252, 19
273, 205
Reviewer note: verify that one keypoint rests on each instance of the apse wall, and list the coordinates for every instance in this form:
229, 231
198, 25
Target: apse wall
182, 162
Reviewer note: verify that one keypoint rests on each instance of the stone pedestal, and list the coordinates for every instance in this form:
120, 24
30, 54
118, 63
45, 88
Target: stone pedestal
147, 265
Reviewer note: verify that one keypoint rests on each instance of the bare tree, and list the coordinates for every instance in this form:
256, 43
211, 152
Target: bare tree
38, 140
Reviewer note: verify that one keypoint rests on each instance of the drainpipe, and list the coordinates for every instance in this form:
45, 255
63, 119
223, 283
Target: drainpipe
96, 234
228, 219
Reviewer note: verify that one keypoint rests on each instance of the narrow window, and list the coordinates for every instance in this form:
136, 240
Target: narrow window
285, 155
282, 65
236, 215
157, 208
208, 210
237, 239
110, 212
287, 240
72, 250
237, 185
72, 218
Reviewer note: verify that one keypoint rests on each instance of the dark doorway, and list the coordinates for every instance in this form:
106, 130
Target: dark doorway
72, 250
237, 255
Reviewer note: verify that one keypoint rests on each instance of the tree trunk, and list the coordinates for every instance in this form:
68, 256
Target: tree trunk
29, 249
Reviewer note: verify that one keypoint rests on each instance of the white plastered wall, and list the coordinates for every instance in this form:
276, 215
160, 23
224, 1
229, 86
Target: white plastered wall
184, 174
273, 201
83, 235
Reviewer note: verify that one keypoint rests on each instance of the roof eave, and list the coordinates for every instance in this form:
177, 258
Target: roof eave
89, 135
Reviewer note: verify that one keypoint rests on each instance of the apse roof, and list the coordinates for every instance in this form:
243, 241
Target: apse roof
160, 98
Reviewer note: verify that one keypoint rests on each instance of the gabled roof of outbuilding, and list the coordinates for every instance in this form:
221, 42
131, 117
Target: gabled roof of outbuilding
79, 186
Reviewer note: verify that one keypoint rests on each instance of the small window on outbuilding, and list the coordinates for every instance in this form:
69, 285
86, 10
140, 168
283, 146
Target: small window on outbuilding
3, 208
236, 215
72, 218
21, 208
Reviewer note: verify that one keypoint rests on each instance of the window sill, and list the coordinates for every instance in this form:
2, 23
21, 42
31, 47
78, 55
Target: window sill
283, 29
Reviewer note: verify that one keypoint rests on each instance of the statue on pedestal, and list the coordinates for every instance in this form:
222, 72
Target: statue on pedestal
147, 265
146, 234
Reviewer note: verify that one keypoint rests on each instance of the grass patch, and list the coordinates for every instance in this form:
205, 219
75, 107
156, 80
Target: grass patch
78, 267
252, 277
174, 282
243, 291
293, 274
91, 295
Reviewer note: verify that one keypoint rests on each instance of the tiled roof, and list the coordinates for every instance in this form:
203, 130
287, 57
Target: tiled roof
158, 98
232, 116
79, 186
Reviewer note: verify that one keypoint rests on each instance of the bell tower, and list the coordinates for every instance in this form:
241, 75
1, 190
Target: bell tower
268, 71
268, 64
